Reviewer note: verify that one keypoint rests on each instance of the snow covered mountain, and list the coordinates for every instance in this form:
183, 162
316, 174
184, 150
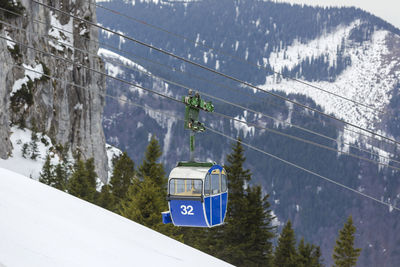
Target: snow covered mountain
342, 50
43, 227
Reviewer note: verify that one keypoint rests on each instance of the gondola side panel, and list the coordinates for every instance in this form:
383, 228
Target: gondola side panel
188, 213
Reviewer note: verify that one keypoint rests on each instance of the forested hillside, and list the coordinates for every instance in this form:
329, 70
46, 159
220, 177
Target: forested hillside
333, 48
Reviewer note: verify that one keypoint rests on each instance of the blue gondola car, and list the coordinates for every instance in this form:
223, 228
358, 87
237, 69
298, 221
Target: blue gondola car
197, 195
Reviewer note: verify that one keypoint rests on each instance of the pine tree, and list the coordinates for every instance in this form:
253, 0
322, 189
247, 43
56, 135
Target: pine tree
25, 150
34, 150
145, 199
122, 176
308, 255
82, 183
344, 253
91, 174
77, 184
285, 252
54, 176
60, 177
150, 167
63, 168
106, 199
259, 231
142, 203
46, 175
233, 246
245, 239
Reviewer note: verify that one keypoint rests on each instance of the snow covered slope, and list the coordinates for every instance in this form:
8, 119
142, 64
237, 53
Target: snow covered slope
31, 167
41, 226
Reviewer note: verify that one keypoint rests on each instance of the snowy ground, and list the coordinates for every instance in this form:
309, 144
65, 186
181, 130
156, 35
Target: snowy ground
32, 168
26, 166
44, 227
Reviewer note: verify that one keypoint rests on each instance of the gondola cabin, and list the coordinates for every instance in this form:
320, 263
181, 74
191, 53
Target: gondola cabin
197, 195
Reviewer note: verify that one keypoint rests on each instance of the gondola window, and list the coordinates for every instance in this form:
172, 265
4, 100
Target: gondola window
185, 187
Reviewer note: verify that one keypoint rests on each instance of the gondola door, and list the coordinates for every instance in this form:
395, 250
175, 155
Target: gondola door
216, 198
213, 200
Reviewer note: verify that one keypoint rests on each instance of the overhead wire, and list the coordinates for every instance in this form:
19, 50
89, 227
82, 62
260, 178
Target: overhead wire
219, 51
139, 59
219, 114
216, 113
223, 135
91, 69
216, 72
211, 82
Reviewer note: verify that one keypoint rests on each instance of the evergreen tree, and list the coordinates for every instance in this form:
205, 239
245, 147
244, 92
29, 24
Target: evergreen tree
308, 255
25, 150
122, 176
145, 199
142, 204
82, 183
259, 231
47, 175
60, 177
91, 174
34, 150
245, 239
106, 198
232, 248
285, 252
63, 168
150, 167
51, 175
344, 253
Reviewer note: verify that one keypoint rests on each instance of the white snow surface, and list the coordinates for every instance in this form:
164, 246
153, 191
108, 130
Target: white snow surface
107, 54
26, 166
44, 227
369, 79
10, 44
326, 44
32, 168
111, 152
31, 73
243, 127
115, 64
62, 33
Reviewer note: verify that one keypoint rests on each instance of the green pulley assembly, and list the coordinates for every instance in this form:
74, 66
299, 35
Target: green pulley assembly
194, 104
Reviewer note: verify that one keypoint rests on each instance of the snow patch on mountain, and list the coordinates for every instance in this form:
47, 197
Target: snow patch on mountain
111, 153
62, 33
369, 81
108, 34
243, 127
25, 165
31, 74
115, 63
326, 44
10, 44
168, 136
160, 117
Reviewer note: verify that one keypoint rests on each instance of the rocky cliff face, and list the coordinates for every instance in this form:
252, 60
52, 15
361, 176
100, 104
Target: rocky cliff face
70, 115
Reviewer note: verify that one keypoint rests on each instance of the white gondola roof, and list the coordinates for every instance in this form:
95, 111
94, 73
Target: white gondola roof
189, 172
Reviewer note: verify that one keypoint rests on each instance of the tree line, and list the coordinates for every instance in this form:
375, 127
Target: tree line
248, 235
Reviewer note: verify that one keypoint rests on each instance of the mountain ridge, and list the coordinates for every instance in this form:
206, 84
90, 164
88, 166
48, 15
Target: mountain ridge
314, 206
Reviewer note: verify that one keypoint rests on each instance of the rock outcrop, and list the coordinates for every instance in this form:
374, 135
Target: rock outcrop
70, 115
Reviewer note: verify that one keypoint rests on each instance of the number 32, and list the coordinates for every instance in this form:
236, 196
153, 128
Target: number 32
187, 210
